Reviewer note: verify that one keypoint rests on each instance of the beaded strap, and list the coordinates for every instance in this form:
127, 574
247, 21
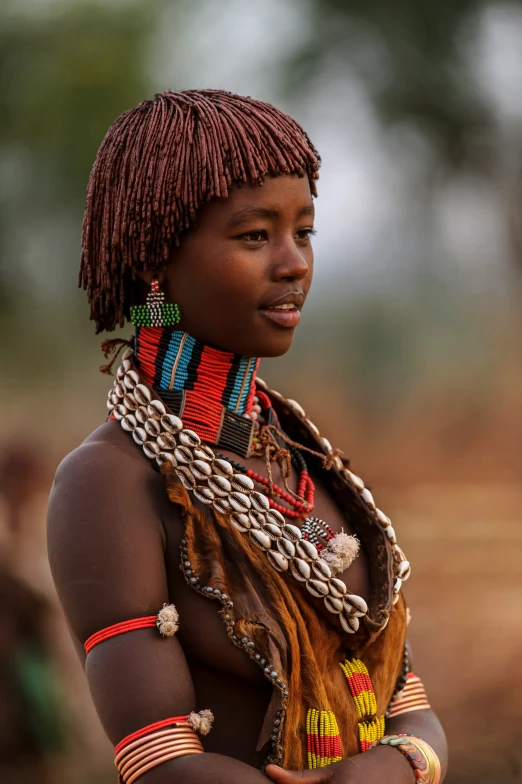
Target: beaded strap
323, 742
166, 622
159, 742
370, 726
411, 698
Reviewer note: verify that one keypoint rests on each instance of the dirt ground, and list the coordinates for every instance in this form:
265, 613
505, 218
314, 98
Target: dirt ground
465, 595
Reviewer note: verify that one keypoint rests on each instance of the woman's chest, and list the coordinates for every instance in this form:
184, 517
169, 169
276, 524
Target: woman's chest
203, 630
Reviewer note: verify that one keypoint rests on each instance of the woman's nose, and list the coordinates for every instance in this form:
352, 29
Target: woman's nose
290, 263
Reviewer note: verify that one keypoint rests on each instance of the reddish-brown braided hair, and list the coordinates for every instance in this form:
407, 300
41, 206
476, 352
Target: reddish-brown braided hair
158, 164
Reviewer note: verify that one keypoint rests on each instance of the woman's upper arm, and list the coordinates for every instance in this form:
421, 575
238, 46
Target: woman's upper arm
106, 554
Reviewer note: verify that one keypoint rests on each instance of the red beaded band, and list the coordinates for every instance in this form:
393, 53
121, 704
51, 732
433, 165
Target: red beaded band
158, 725
411, 698
149, 622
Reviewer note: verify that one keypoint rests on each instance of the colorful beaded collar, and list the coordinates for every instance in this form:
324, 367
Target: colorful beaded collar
164, 438
211, 389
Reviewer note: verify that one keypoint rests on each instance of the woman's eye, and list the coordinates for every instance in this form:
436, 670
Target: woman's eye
305, 234
257, 236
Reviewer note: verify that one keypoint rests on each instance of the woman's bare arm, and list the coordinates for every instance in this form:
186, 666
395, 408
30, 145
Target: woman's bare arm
106, 549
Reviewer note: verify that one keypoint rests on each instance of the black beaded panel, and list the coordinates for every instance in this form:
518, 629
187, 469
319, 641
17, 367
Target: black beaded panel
236, 433
173, 398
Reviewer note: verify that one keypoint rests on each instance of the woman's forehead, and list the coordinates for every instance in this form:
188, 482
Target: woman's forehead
285, 195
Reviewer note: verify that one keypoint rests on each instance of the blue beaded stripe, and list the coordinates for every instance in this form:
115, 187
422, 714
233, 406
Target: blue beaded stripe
168, 360
238, 399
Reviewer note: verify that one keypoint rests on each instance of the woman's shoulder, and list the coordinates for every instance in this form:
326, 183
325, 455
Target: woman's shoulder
106, 539
106, 480
107, 448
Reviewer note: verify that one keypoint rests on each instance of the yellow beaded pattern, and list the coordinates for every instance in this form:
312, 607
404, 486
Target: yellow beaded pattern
323, 742
370, 726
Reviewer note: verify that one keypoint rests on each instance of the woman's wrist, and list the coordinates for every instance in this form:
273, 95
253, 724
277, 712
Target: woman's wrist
394, 768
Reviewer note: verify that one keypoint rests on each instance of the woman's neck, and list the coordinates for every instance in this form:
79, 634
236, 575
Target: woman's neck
209, 388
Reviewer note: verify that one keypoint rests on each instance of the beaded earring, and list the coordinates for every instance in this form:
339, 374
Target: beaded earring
156, 312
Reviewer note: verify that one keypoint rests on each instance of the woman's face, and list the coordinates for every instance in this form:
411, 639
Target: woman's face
241, 276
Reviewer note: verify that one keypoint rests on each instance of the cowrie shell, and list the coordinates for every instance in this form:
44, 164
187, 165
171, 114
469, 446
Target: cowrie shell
240, 521
189, 438
151, 449
300, 569
156, 409
241, 482
350, 623
219, 485
317, 588
260, 539
171, 423
183, 454
120, 411
139, 435
292, 532
357, 602
294, 405
129, 423
221, 505
332, 604
321, 570
142, 394
286, 547
277, 560
153, 428
167, 441
307, 550
203, 494
259, 502
223, 467
337, 588
239, 501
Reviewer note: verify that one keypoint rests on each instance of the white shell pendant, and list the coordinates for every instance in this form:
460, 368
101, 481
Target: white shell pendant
221, 505
300, 569
333, 605
239, 501
241, 482
286, 547
357, 602
203, 494
278, 561
240, 521
260, 539
307, 550
171, 423
292, 532
350, 623
219, 485
317, 588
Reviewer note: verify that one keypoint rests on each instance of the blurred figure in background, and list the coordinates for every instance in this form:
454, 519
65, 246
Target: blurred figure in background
32, 730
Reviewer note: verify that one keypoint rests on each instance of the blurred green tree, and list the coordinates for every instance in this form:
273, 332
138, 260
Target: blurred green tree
65, 75
413, 58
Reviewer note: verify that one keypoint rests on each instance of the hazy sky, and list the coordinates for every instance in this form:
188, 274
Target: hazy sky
370, 219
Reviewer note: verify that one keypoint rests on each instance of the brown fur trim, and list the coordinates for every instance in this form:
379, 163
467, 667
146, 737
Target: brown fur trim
301, 644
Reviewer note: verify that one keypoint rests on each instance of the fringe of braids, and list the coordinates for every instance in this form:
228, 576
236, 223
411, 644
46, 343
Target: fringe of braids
157, 165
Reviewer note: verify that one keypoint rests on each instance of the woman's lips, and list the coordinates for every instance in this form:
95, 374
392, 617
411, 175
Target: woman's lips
289, 318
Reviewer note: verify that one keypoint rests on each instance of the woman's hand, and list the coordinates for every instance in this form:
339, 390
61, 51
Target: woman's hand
382, 763
318, 776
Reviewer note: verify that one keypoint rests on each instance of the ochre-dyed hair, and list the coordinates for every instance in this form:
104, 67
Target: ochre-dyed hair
158, 164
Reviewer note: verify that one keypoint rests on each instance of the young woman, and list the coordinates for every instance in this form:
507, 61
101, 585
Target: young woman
222, 570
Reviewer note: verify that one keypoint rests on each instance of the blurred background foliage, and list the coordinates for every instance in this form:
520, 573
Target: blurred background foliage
412, 334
